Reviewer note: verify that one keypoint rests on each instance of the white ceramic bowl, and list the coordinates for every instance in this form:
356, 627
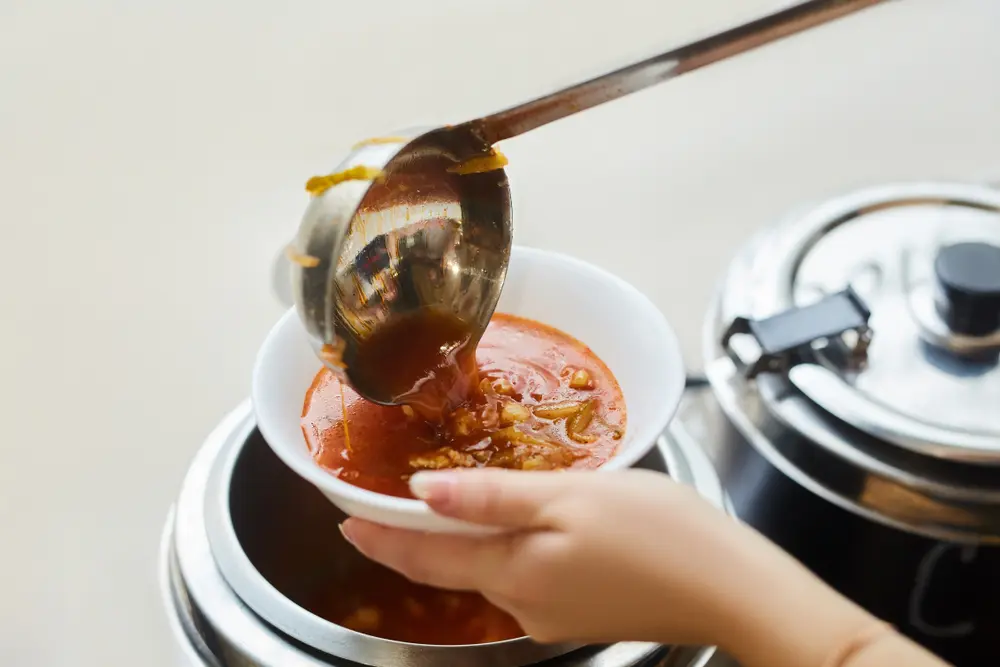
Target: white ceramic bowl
614, 319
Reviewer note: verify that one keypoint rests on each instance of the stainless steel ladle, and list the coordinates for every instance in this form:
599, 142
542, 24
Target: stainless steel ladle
422, 218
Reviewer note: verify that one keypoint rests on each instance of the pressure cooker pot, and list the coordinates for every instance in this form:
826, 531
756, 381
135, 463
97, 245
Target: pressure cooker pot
854, 404
252, 565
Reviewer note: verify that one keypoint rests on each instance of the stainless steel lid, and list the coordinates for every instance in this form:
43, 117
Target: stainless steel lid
922, 262
247, 612
868, 326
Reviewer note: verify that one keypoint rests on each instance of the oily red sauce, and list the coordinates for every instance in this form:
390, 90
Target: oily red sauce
382, 603
536, 399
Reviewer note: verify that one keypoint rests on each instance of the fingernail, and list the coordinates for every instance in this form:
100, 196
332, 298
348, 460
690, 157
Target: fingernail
433, 487
345, 530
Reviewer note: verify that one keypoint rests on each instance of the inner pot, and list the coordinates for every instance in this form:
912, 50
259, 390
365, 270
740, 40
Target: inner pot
288, 532
275, 540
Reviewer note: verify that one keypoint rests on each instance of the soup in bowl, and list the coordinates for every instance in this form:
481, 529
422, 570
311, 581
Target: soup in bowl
578, 369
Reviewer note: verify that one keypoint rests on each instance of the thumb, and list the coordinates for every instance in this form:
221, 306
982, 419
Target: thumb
504, 498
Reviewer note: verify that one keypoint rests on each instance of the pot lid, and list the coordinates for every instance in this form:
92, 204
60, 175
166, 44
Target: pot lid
883, 308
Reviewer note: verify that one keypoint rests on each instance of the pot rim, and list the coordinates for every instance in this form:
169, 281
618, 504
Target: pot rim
235, 622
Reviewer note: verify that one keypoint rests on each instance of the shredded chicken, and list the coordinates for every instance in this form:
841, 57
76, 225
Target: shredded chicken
445, 457
317, 185
381, 140
534, 454
363, 619
581, 380
414, 608
536, 462
303, 260
489, 416
561, 410
503, 387
512, 413
464, 422
576, 424
480, 164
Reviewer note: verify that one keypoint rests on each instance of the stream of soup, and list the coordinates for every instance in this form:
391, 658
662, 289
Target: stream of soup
528, 397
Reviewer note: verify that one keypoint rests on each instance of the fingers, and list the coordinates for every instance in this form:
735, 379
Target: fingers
508, 499
455, 562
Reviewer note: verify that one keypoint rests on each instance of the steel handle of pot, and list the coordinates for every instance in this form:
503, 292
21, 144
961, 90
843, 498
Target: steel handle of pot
781, 341
789, 345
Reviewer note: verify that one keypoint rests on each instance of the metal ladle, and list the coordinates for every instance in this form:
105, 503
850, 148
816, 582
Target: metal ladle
407, 228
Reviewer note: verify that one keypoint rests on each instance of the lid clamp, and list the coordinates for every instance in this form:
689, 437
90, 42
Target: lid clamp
774, 344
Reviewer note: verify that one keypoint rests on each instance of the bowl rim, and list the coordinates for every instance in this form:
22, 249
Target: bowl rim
412, 507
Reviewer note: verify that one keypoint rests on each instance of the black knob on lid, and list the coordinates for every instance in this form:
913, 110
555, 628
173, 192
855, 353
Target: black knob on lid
968, 275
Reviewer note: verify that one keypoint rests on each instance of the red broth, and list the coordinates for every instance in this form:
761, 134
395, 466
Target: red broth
542, 401
382, 603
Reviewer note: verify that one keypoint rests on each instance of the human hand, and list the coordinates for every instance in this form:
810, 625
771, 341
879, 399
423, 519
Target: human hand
587, 557
629, 556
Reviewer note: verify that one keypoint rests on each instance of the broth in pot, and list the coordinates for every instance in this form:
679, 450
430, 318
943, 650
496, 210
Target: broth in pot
289, 533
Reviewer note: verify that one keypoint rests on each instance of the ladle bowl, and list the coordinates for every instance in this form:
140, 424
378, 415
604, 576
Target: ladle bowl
414, 234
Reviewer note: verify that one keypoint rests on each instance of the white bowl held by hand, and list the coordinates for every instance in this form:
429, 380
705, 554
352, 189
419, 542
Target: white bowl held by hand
622, 327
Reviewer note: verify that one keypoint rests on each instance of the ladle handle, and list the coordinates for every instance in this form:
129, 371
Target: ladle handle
531, 115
